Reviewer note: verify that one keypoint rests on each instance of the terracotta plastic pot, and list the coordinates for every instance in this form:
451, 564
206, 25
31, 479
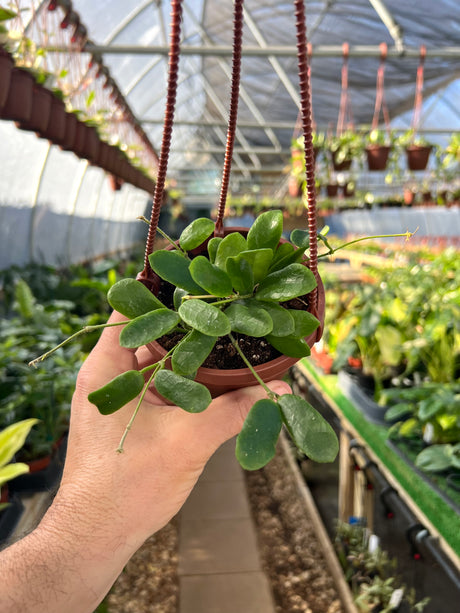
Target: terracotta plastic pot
80, 137
332, 190
417, 157
55, 130
409, 197
377, 157
220, 381
91, 145
6, 66
294, 187
348, 190
70, 132
41, 109
18, 105
340, 166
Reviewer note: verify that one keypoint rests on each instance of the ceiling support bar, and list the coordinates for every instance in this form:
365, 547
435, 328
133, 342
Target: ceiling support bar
393, 27
451, 52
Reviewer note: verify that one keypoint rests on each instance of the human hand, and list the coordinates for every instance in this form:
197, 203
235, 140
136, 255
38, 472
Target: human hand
137, 492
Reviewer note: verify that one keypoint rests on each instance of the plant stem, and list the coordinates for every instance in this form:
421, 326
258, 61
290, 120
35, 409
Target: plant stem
84, 330
231, 299
407, 235
271, 395
163, 234
136, 410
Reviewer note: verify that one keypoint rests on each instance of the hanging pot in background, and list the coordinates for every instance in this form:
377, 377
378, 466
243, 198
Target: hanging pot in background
18, 105
418, 156
41, 109
70, 132
55, 130
332, 189
377, 156
6, 66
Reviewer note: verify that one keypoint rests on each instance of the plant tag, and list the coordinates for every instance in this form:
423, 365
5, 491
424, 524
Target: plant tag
428, 433
373, 543
396, 598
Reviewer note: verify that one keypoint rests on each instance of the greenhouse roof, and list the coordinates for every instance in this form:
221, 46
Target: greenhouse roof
132, 37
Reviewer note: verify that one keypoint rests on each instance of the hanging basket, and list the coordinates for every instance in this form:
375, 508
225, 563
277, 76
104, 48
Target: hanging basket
18, 105
219, 381
70, 132
377, 157
418, 156
41, 109
6, 66
55, 130
340, 166
332, 189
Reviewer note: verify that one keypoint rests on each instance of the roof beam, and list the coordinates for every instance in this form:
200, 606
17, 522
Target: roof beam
393, 27
256, 51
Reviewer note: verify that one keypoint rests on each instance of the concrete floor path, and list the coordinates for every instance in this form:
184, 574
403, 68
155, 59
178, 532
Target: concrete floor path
219, 565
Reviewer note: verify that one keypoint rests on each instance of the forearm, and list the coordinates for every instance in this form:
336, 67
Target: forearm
62, 565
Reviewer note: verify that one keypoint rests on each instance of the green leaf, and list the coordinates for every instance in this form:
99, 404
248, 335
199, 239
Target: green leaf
11, 471
296, 255
13, 437
435, 458
213, 244
429, 407
205, 318
256, 443
300, 238
294, 280
189, 395
309, 430
25, 299
240, 273
399, 410
191, 352
131, 298
283, 322
147, 328
231, 246
209, 276
196, 233
118, 392
304, 323
6, 14
179, 293
172, 266
259, 261
284, 250
291, 346
266, 231
249, 318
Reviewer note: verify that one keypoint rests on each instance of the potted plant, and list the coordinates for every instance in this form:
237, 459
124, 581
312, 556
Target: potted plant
225, 295
378, 147
417, 149
344, 148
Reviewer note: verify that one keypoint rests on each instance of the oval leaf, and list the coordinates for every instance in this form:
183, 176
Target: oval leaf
189, 395
283, 323
300, 238
117, 392
291, 346
173, 267
231, 245
294, 280
213, 244
146, 328
13, 437
212, 278
240, 273
191, 352
304, 323
205, 318
196, 233
259, 261
290, 258
266, 231
131, 298
256, 443
435, 458
179, 293
309, 430
249, 319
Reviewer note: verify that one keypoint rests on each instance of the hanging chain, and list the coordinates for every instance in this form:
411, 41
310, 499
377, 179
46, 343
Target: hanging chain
233, 113
306, 108
380, 92
419, 90
345, 116
174, 55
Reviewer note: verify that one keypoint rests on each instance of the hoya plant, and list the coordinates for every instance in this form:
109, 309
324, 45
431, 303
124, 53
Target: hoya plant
238, 285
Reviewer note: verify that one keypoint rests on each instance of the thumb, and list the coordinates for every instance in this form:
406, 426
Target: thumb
226, 414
